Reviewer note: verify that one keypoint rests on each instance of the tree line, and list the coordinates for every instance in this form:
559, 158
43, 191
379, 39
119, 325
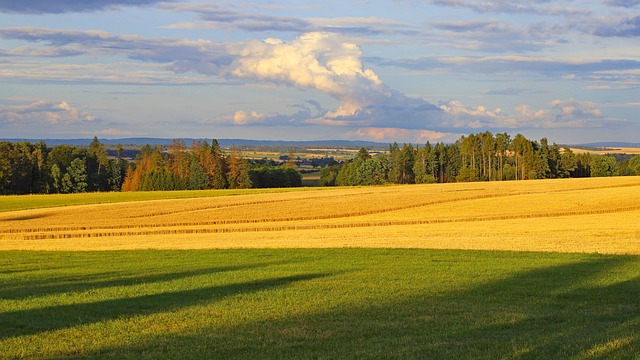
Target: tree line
476, 157
32, 168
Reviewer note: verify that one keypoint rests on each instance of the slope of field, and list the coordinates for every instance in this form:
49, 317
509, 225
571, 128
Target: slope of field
12, 203
570, 215
318, 304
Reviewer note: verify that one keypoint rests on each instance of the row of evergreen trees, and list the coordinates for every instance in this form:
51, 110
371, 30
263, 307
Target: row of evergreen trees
28, 168
477, 157
31, 168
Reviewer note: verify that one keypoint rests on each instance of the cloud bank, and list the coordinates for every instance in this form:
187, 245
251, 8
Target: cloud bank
540, 7
331, 64
39, 7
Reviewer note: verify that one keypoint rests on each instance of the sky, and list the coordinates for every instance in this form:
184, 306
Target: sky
402, 70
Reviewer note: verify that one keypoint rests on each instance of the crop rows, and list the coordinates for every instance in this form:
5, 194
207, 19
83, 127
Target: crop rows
253, 221
61, 235
325, 213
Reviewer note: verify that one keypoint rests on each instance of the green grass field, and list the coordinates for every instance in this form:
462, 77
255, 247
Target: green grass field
319, 303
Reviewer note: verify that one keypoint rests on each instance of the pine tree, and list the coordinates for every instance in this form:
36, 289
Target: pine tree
218, 171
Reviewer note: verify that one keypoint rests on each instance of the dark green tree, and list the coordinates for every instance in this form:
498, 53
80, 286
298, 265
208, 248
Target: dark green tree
77, 172
198, 178
567, 163
601, 166
219, 170
329, 174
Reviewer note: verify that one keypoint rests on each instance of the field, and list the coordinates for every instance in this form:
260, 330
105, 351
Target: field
573, 215
513, 270
607, 151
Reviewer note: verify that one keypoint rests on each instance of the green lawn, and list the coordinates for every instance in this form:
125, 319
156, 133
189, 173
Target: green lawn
23, 202
302, 303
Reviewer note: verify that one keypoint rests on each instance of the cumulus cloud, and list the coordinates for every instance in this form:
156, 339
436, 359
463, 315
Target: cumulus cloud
243, 118
317, 61
460, 116
40, 111
66, 6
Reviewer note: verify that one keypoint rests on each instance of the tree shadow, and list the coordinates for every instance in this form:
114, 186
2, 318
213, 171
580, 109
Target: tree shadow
34, 321
550, 312
82, 282
25, 217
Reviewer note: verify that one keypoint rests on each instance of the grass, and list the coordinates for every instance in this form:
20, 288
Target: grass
338, 290
318, 303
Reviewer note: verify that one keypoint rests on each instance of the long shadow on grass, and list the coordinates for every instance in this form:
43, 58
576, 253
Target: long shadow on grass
28, 322
50, 285
549, 312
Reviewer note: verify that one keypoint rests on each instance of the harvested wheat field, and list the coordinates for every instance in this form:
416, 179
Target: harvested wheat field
566, 215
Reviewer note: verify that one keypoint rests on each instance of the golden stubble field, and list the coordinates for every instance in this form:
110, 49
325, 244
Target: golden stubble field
608, 151
567, 215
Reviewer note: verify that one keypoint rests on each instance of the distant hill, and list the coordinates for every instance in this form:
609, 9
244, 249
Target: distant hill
346, 144
349, 144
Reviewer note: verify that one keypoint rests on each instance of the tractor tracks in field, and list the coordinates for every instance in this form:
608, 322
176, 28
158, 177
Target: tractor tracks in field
244, 203
305, 226
299, 222
259, 220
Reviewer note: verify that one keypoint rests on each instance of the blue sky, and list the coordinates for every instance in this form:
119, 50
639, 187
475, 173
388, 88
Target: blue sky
404, 70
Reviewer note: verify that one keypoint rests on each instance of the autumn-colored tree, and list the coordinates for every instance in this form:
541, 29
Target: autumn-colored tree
238, 173
291, 161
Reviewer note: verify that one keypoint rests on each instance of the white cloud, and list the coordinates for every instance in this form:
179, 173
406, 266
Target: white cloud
319, 61
560, 113
243, 118
460, 116
607, 87
40, 111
